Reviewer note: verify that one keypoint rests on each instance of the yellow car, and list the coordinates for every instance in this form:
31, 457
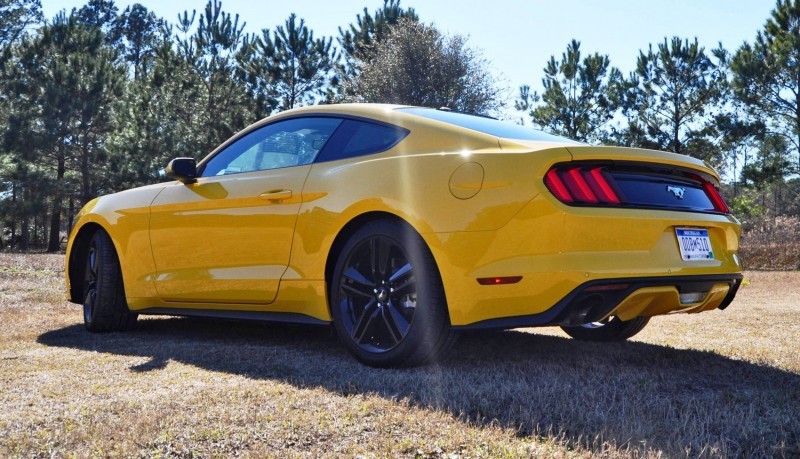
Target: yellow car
404, 225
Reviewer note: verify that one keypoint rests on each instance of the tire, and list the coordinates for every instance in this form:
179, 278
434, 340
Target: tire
104, 305
386, 298
613, 329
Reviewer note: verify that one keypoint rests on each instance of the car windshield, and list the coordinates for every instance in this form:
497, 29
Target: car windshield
486, 125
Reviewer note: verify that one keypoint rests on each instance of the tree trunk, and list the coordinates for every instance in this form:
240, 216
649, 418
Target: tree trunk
13, 223
71, 212
54, 241
24, 228
676, 132
86, 188
24, 236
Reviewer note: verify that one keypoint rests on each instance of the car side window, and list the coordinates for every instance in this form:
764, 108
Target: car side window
358, 138
294, 142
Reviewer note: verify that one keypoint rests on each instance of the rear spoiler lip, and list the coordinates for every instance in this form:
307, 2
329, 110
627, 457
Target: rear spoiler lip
639, 155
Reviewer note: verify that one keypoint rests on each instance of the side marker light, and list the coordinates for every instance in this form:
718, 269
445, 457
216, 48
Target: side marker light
499, 280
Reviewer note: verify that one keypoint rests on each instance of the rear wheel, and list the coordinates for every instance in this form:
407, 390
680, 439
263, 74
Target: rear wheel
610, 329
387, 299
104, 305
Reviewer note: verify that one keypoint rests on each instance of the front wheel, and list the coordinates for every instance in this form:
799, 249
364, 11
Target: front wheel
387, 299
104, 305
609, 329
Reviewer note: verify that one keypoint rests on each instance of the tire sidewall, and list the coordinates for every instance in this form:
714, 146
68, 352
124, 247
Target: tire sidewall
98, 241
110, 310
427, 321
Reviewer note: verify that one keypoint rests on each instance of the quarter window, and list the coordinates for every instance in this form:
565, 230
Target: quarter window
294, 142
358, 138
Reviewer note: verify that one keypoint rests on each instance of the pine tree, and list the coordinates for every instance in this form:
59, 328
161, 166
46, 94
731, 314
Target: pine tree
673, 91
140, 31
372, 28
66, 85
301, 66
580, 95
766, 75
15, 17
101, 14
214, 102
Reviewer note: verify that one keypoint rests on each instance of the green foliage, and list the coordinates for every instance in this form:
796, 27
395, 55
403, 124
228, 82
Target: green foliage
99, 99
101, 14
368, 29
766, 74
15, 16
211, 101
63, 85
748, 208
357, 39
301, 66
671, 95
416, 65
580, 95
141, 33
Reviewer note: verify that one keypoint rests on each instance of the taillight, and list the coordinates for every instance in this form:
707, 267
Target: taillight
715, 197
582, 185
634, 185
603, 189
556, 186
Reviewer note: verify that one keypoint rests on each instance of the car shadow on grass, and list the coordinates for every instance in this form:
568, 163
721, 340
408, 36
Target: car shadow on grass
629, 395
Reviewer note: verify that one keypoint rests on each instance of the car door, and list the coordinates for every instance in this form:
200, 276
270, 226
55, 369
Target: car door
227, 237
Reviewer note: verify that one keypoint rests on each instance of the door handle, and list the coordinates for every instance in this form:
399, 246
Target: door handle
276, 195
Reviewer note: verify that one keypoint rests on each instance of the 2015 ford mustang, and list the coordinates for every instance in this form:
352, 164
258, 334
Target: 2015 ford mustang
404, 225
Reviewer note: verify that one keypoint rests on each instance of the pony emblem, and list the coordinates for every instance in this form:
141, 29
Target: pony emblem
676, 190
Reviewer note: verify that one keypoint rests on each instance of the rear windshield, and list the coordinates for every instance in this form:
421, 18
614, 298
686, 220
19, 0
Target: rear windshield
489, 126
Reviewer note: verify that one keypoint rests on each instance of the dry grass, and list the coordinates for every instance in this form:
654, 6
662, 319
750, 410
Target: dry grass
719, 384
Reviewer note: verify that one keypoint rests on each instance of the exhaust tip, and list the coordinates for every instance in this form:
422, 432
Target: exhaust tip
694, 297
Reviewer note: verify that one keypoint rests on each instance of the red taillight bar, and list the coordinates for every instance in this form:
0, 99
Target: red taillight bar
577, 185
607, 193
716, 198
556, 186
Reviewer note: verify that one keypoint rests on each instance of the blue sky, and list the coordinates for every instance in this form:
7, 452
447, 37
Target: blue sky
519, 36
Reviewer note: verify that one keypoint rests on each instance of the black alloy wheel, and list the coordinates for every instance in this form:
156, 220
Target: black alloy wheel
387, 300
379, 294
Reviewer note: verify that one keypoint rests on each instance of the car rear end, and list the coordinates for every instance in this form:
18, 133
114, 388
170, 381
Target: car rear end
609, 232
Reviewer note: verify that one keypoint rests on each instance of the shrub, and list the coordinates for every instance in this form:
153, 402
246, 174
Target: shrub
771, 244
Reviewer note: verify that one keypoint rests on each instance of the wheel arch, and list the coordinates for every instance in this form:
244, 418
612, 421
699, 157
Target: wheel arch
349, 229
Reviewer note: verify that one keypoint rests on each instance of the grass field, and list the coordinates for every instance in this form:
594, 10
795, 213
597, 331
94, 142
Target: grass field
718, 384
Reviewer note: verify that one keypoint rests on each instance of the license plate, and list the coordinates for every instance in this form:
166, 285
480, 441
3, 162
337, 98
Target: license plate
694, 244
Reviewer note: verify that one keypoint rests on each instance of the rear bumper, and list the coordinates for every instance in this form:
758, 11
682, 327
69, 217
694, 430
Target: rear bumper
627, 298
557, 251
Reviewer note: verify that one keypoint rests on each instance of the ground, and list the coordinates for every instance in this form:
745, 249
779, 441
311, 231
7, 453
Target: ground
716, 384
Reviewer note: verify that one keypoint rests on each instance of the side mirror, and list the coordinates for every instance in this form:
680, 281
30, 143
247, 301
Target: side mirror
183, 169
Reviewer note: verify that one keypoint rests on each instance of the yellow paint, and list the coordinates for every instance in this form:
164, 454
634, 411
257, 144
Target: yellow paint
225, 239
467, 180
654, 301
219, 244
